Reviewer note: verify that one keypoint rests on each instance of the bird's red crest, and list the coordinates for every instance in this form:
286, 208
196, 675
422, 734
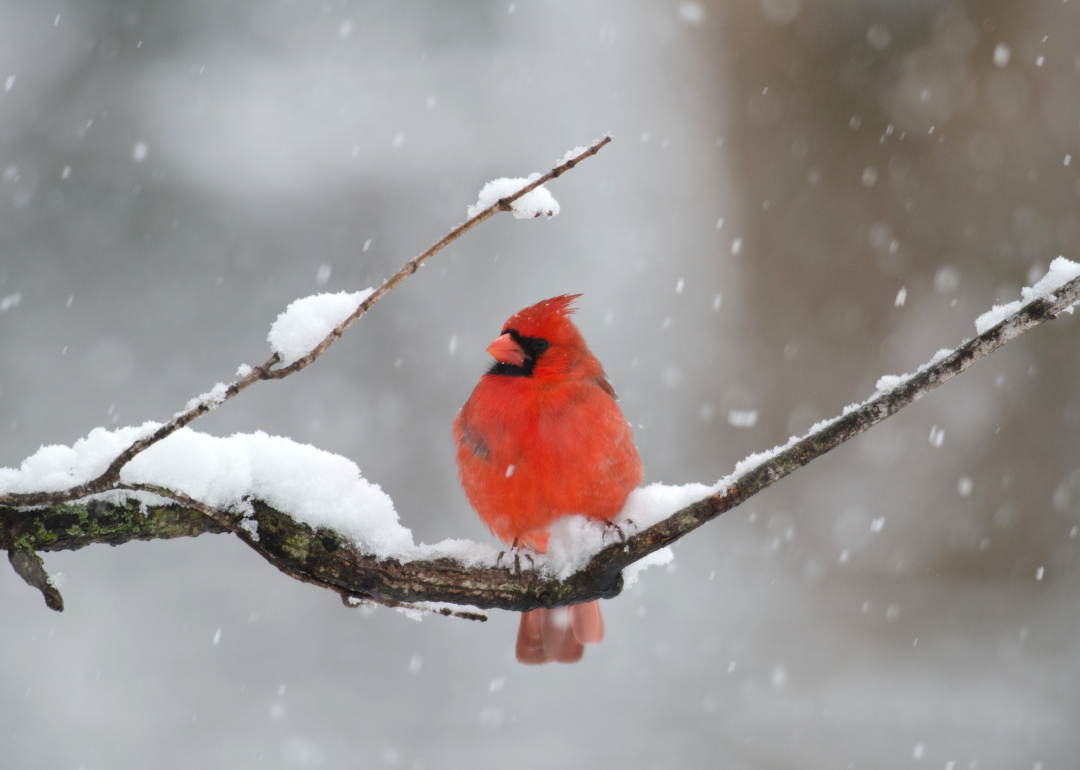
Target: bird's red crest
544, 318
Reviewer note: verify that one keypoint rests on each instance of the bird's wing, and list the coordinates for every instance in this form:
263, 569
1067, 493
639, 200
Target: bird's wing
606, 387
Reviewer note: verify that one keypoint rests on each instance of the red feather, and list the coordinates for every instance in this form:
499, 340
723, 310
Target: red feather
542, 437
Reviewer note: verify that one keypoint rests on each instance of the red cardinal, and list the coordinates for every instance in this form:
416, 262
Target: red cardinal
542, 437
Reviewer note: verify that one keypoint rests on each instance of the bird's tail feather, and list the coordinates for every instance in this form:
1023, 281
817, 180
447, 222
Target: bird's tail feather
560, 634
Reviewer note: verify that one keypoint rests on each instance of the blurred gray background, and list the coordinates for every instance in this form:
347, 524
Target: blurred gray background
172, 175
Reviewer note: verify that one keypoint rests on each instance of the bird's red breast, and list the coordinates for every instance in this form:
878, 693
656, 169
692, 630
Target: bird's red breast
542, 437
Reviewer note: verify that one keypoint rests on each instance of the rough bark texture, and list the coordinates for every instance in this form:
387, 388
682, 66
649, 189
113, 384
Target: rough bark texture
320, 557
29, 567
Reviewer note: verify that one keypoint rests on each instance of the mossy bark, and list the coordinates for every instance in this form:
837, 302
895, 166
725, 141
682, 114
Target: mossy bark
72, 526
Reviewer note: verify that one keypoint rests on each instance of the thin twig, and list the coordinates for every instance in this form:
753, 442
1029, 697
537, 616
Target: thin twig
323, 559
110, 479
413, 265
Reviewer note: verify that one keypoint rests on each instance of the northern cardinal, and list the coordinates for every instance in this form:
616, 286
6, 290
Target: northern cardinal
542, 437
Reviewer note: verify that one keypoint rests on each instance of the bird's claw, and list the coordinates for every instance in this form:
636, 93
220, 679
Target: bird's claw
517, 561
515, 549
609, 525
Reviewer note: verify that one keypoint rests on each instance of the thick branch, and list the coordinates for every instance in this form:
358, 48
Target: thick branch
323, 558
110, 479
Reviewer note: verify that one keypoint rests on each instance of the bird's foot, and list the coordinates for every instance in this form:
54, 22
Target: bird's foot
610, 525
518, 553
516, 549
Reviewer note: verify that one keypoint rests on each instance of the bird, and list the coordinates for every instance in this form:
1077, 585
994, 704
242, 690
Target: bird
541, 437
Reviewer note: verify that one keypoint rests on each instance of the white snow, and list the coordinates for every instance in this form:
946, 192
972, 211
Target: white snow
417, 610
996, 315
1061, 272
654, 503
888, 382
53, 468
213, 398
630, 574
742, 418
313, 486
539, 202
947, 280
10, 301
252, 528
691, 13
307, 321
570, 155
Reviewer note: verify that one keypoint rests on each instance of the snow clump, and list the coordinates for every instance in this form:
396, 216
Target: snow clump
539, 202
1061, 272
306, 322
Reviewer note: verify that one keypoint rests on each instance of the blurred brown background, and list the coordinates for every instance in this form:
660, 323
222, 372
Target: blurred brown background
172, 175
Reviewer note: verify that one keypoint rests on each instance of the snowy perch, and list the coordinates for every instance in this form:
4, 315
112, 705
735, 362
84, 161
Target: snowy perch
374, 558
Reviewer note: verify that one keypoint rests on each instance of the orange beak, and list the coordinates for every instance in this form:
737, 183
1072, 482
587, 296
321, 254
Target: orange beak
506, 351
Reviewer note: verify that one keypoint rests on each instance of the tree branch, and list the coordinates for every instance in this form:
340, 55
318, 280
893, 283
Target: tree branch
29, 567
322, 557
110, 479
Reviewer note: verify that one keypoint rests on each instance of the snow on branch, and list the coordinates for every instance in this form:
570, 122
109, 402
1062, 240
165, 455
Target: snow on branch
316, 534
538, 203
299, 336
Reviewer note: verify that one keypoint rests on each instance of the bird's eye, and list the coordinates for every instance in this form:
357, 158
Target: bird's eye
540, 345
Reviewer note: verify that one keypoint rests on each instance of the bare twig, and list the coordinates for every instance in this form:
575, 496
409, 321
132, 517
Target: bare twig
413, 265
110, 479
323, 558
